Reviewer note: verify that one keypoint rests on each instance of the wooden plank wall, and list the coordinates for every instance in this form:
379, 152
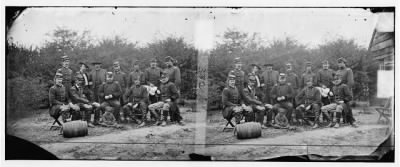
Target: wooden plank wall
382, 45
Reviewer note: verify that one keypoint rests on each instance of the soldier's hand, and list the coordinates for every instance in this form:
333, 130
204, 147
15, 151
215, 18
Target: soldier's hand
158, 91
340, 101
308, 107
278, 98
106, 97
262, 85
330, 94
283, 98
136, 105
302, 105
110, 96
168, 100
129, 104
243, 105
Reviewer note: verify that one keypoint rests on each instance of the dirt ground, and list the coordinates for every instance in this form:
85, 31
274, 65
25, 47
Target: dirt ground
175, 142
345, 140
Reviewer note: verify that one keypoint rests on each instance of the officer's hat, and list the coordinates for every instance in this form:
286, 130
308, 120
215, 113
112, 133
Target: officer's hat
96, 62
83, 63
116, 63
268, 65
58, 75
109, 74
325, 62
255, 65
65, 58
79, 76
252, 78
231, 76
237, 60
169, 58
308, 64
342, 59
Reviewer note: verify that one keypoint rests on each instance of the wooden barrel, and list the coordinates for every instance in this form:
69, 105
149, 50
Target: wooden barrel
248, 130
75, 129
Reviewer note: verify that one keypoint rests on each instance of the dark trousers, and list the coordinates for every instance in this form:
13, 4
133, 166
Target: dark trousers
267, 91
174, 112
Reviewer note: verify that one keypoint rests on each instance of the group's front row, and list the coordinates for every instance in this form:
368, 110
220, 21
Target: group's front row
77, 102
313, 104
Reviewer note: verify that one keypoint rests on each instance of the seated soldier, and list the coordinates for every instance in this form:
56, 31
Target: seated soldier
231, 101
341, 95
136, 98
250, 99
281, 121
309, 98
109, 94
282, 93
59, 100
80, 98
169, 94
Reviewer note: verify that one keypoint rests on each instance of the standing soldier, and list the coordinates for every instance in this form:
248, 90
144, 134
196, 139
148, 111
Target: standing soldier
80, 97
173, 72
292, 77
269, 78
136, 98
83, 71
239, 74
325, 75
255, 71
345, 73
231, 101
59, 99
282, 93
120, 76
66, 72
135, 74
109, 93
152, 74
96, 78
307, 75
250, 99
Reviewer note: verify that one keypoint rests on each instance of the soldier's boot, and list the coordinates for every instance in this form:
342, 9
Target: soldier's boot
88, 117
316, 120
336, 118
164, 118
143, 120
96, 120
328, 118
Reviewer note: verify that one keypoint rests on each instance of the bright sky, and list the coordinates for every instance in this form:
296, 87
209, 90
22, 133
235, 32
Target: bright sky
311, 26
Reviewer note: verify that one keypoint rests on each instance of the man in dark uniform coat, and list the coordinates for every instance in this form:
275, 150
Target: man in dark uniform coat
66, 72
250, 99
269, 78
231, 101
308, 74
135, 74
152, 74
240, 78
59, 99
325, 75
136, 99
282, 93
96, 77
80, 96
110, 93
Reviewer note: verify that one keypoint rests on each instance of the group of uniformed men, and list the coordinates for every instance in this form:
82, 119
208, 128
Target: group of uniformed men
284, 99
128, 97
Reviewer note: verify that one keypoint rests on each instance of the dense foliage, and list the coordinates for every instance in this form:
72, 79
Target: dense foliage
252, 49
30, 70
